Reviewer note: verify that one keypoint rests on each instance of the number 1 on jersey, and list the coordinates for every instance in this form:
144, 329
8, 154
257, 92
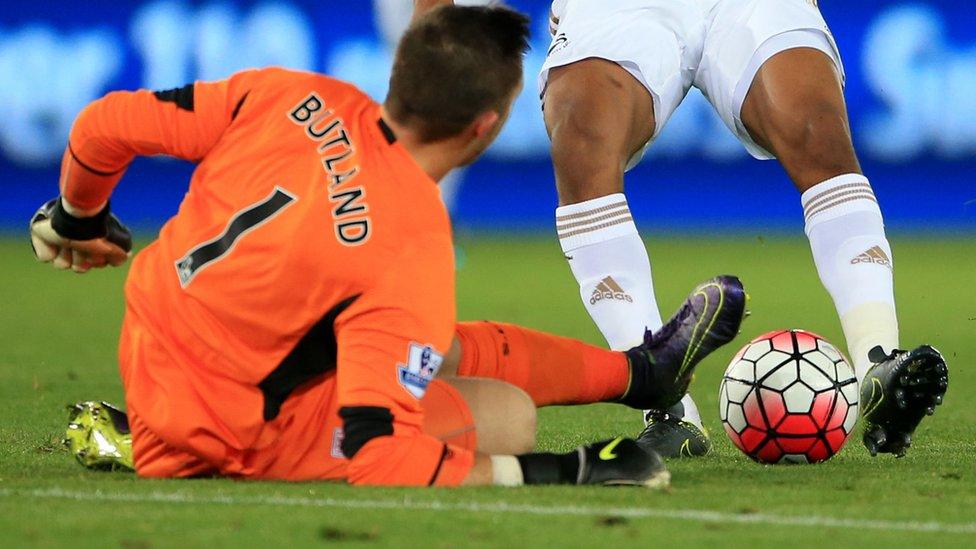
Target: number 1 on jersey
242, 223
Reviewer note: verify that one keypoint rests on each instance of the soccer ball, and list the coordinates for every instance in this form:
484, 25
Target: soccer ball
789, 396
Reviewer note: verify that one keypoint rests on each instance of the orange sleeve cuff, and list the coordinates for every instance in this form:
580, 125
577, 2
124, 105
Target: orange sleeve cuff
409, 461
455, 466
82, 186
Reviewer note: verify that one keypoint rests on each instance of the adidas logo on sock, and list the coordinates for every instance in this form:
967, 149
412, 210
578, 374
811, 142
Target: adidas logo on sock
874, 255
609, 289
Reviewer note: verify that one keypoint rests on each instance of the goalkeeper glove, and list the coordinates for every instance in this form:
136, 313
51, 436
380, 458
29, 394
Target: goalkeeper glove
78, 242
615, 462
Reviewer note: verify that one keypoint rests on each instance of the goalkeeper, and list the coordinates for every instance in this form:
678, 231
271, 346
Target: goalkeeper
292, 319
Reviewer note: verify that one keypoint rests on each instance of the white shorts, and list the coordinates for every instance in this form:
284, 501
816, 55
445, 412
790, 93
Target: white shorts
717, 46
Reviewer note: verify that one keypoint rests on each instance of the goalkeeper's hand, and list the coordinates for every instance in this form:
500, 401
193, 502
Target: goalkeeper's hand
614, 462
72, 240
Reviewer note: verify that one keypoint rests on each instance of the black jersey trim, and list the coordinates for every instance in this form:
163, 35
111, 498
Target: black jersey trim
237, 108
361, 424
444, 453
314, 355
183, 97
387, 131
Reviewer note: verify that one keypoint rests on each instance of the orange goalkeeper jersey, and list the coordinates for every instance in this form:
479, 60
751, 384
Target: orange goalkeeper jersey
309, 243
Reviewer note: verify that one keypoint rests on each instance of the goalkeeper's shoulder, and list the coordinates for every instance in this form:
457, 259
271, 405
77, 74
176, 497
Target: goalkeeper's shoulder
275, 80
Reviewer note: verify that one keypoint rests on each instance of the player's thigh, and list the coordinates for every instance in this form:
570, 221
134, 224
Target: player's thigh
612, 77
795, 109
598, 117
504, 416
746, 43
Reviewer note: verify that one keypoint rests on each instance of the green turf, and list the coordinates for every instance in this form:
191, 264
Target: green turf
57, 345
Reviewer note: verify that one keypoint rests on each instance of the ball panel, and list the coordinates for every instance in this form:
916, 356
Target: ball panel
814, 378
738, 356
781, 375
836, 439
783, 342
742, 370
798, 398
799, 425
751, 438
753, 412
734, 437
755, 350
768, 335
851, 418
796, 445
805, 341
822, 365
851, 392
845, 370
830, 351
769, 453
773, 405
838, 415
736, 418
825, 409
819, 452
737, 391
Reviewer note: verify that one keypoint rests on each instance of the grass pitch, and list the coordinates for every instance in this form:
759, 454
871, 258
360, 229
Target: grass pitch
58, 335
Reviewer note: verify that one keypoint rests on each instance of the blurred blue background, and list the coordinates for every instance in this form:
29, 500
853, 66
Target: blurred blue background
911, 69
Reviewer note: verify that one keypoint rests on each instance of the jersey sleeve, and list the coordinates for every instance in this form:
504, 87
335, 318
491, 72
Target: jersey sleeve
110, 132
390, 349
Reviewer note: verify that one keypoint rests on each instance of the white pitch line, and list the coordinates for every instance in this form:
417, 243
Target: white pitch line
692, 515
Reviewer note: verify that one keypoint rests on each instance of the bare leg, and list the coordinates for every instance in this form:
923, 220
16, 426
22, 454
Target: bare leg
795, 109
597, 116
504, 415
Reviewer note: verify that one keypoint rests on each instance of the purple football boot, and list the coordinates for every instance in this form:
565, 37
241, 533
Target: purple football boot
662, 366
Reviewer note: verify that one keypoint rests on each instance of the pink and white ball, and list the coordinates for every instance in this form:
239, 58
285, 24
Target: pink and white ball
789, 397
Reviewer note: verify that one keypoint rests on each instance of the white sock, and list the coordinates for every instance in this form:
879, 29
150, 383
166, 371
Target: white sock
610, 263
846, 232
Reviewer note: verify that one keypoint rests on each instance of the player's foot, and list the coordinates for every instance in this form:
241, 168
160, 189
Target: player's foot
98, 436
662, 366
671, 435
897, 392
621, 462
